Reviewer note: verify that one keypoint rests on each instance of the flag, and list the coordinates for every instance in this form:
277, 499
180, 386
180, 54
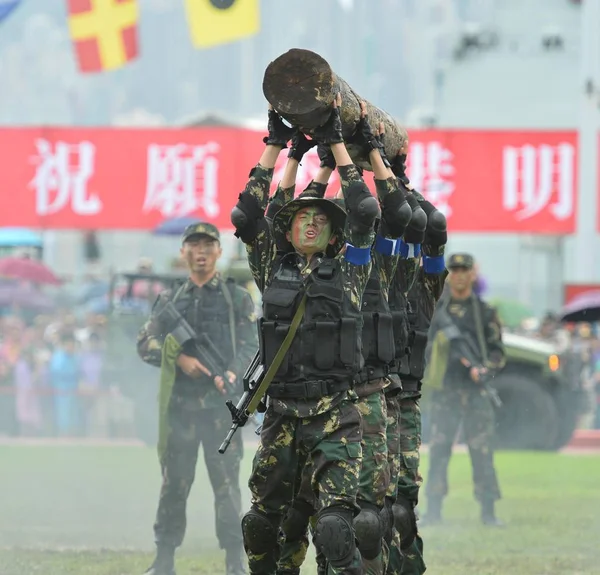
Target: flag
214, 22
104, 33
6, 7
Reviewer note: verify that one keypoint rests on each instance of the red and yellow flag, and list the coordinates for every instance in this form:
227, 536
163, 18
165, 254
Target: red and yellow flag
104, 33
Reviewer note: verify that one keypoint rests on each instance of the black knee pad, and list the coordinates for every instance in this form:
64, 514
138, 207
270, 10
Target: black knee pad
368, 529
260, 535
396, 213
246, 216
387, 521
295, 523
334, 536
362, 207
405, 521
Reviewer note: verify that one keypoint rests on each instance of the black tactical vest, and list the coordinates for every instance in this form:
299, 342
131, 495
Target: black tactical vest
327, 345
420, 311
398, 305
206, 314
378, 332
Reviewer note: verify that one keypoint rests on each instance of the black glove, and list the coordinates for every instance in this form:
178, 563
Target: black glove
399, 168
279, 133
331, 131
326, 156
365, 137
436, 233
300, 145
415, 231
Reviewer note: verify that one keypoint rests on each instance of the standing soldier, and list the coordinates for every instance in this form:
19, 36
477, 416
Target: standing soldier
417, 286
312, 288
378, 353
464, 350
202, 336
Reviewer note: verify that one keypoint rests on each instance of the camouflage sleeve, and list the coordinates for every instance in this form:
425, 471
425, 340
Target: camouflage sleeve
386, 266
281, 197
246, 333
493, 337
385, 187
317, 189
152, 334
262, 251
350, 175
407, 272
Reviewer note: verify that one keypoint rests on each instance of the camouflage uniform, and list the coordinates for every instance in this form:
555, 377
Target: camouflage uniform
322, 433
372, 403
460, 399
423, 289
192, 410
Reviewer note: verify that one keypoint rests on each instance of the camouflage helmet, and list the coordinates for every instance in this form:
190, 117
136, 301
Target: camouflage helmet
283, 219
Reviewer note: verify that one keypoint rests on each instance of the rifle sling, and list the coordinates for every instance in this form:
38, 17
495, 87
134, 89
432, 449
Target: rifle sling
479, 330
228, 299
278, 359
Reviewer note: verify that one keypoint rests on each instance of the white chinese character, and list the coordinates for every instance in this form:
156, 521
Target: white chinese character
62, 175
539, 177
430, 173
181, 179
307, 171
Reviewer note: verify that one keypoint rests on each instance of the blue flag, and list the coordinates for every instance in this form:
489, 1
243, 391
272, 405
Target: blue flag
6, 7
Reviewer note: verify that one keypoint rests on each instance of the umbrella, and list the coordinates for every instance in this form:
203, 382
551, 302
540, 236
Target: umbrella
512, 312
26, 269
585, 307
174, 226
19, 237
27, 298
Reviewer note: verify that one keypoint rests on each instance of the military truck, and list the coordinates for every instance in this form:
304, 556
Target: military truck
541, 394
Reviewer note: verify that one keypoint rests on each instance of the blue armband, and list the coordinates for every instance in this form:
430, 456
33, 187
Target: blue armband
357, 256
409, 250
434, 265
386, 246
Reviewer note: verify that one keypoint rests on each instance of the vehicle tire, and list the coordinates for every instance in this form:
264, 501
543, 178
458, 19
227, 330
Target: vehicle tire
528, 418
569, 408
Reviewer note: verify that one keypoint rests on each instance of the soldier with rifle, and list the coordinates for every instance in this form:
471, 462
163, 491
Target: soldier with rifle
464, 350
202, 335
310, 343
415, 289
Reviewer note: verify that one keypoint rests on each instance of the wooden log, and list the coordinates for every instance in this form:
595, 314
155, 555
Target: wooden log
301, 86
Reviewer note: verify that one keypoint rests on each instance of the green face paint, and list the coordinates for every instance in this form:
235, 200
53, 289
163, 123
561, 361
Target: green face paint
310, 230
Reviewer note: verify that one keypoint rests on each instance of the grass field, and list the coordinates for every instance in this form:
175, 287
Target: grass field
89, 511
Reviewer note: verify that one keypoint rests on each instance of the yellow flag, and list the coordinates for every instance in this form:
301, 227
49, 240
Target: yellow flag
214, 22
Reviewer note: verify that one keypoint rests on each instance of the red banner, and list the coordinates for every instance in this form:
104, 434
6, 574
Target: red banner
485, 181
571, 291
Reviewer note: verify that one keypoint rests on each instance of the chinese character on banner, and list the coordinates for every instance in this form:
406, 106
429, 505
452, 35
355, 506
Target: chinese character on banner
182, 179
431, 172
539, 177
61, 177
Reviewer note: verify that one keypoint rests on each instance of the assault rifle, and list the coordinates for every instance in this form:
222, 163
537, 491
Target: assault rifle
250, 401
464, 347
199, 346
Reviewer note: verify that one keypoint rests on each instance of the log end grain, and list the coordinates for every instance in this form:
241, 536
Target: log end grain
300, 86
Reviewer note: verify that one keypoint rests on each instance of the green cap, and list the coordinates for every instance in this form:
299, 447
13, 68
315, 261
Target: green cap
200, 229
461, 261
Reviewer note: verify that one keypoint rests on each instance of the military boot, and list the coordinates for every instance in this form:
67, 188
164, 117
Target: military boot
235, 560
164, 563
488, 515
433, 515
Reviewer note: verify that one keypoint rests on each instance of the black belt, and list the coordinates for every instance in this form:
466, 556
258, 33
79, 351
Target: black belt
307, 389
370, 373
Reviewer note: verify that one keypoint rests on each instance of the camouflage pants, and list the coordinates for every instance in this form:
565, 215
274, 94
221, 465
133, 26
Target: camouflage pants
191, 426
373, 483
408, 484
325, 452
450, 407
